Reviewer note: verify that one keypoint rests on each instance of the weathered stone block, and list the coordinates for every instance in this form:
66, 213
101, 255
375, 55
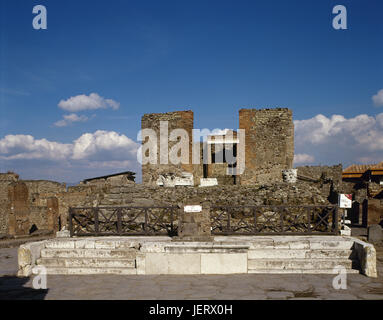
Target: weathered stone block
156, 263
375, 233
223, 263
184, 263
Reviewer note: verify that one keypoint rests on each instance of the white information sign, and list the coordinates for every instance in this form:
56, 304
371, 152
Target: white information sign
192, 208
345, 200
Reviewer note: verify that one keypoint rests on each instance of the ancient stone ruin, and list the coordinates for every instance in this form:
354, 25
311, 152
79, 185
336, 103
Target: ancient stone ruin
267, 179
231, 204
268, 146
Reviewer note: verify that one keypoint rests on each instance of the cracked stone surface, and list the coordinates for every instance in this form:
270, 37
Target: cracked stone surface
183, 287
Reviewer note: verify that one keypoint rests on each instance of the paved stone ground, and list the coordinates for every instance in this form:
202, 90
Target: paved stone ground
199, 287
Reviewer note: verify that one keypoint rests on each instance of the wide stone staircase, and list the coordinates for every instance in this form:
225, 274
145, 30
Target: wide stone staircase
88, 257
262, 254
312, 255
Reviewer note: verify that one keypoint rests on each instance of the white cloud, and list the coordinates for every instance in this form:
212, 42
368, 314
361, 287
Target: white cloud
69, 119
219, 132
27, 147
106, 150
104, 144
337, 139
318, 140
363, 131
84, 102
303, 158
378, 98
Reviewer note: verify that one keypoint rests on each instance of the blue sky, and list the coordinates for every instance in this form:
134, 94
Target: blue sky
213, 57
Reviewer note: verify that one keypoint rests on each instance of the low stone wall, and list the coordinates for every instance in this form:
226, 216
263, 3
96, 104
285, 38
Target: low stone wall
375, 190
109, 193
366, 254
223, 255
282, 193
27, 256
5, 180
327, 172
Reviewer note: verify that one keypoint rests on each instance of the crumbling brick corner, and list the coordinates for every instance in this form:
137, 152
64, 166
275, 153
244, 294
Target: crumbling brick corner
176, 120
269, 144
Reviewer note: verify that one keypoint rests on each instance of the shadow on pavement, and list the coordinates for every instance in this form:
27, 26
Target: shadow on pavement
12, 288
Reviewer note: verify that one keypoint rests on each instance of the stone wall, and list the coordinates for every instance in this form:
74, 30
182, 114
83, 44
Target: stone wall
176, 120
322, 172
280, 193
45, 204
115, 179
375, 212
80, 196
41, 195
27, 205
32, 205
5, 180
375, 190
269, 145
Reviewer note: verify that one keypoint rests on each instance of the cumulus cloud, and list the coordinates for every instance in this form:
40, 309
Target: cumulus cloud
69, 119
27, 147
83, 102
84, 157
303, 158
100, 144
363, 131
378, 98
339, 139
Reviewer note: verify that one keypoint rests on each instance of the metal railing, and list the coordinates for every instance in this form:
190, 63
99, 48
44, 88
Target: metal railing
225, 220
272, 220
107, 221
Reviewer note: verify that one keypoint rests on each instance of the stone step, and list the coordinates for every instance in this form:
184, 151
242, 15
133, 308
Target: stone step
339, 245
94, 243
84, 271
301, 271
298, 254
87, 262
298, 264
304, 243
87, 253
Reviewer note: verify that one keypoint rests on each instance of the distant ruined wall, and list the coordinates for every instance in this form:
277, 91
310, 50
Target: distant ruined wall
32, 204
330, 177
176, 120
41, 202
5, 180
49, 210
280, 193
113, 180
80, 196
327, 172
219, 170
269, 144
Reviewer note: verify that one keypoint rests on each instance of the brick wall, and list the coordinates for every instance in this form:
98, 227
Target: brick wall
327, 172
269, 144
176, 120
5, 180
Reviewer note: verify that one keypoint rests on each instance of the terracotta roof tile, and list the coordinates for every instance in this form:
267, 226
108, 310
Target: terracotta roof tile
358, 168
378, 166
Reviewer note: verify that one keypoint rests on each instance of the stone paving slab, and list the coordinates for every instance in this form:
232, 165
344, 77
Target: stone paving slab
183, 287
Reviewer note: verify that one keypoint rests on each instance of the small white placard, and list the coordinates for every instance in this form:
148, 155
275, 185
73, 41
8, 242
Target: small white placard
345, 200
192, 208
